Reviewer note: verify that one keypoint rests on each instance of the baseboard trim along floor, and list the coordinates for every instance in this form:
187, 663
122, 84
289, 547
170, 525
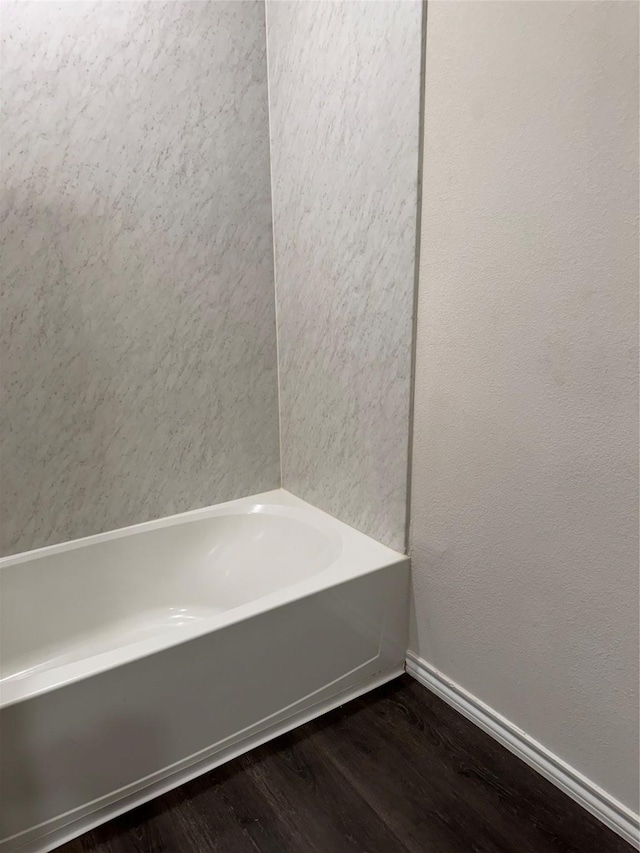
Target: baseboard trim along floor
603, 806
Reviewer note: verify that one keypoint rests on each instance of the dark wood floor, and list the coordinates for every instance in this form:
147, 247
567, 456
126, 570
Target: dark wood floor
397, 770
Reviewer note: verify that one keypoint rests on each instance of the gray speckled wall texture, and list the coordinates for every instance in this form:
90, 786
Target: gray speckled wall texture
344, 92
138, 329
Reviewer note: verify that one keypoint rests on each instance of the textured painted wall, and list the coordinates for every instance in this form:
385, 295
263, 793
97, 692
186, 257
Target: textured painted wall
524, 528
138, 330
344, 82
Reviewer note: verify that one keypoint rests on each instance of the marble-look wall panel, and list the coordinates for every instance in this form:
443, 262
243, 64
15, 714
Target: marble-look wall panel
344, 89
138, 330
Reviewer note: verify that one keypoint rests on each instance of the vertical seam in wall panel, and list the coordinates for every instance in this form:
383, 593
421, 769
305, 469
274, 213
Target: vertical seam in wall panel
414, 329
273, 238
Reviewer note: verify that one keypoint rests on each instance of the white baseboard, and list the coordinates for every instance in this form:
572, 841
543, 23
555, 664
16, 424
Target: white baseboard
605, 807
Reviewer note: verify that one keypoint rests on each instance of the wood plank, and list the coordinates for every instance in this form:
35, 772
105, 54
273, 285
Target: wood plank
412, 792
318, 806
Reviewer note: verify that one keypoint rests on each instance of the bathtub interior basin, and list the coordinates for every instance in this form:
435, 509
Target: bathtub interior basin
65, 605
106, 599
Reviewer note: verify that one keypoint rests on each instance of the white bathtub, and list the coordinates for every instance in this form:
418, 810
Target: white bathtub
134, 660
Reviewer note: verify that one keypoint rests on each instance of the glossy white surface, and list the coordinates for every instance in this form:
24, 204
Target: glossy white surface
91, 604
134, 659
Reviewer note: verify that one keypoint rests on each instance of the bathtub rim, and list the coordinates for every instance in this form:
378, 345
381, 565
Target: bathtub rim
359, 555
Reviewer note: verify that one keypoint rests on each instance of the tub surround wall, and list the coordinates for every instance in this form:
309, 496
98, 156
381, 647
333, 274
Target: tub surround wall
139, 363
138, 329
344, 82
